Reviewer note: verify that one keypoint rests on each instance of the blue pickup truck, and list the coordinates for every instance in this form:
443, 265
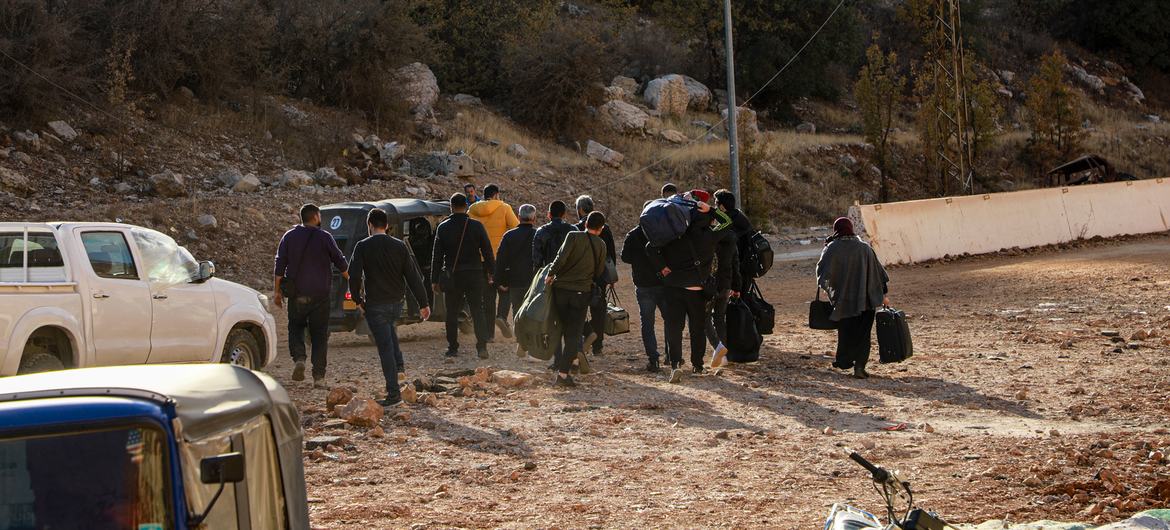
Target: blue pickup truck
150, 448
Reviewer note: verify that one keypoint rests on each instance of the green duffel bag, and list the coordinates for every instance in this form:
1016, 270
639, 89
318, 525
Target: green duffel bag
537, 329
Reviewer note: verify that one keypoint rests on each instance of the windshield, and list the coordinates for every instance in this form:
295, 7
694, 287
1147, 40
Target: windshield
166, 263
110, 479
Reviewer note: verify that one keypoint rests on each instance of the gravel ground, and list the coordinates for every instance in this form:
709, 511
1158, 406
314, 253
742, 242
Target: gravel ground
1015, 406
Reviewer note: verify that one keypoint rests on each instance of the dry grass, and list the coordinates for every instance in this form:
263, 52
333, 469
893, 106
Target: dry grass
475, 128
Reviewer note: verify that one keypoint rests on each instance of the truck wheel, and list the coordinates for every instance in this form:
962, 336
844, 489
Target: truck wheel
241, 349
33, 363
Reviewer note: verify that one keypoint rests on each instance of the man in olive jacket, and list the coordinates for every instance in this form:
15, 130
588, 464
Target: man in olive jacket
580, 261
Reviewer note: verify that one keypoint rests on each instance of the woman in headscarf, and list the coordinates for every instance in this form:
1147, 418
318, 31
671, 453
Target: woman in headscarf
855, 281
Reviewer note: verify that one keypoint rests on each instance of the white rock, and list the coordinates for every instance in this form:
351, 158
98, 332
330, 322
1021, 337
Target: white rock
1085, 78
623, 117
454, 165
673, 136
806, 128
327, 176
603, 154
746, 121
12, 181
467, 100
207, 220
248, 184
517, 151
295, 178
391, 151
229, 176
63, 130
668, 95
419, 86
169, 184
628, 85
123, 188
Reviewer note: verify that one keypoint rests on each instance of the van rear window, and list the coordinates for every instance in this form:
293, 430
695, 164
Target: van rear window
44, 258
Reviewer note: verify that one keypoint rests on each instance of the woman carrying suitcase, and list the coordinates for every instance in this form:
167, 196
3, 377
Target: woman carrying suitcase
856, 283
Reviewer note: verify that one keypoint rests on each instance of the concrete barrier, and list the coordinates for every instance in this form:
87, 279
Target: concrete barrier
915, 231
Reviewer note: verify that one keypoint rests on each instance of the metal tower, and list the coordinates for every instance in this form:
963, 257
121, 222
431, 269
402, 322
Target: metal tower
952, 106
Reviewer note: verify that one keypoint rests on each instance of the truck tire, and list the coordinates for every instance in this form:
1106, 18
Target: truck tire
241, 349
36, 362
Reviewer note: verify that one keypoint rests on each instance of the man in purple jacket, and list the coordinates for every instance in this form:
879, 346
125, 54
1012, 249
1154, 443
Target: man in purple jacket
304, 274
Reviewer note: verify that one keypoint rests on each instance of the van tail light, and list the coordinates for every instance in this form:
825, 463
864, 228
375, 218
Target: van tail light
348, 295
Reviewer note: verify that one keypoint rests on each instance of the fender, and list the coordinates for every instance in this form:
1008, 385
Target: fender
246, 314
44, 316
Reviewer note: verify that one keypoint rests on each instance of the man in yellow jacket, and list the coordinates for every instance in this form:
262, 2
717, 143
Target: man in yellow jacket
497, 217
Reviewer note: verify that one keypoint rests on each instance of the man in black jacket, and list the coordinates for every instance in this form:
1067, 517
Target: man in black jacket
726, 202
460, 267
596, 325
686, 266
548, 238
514, 270
648, 289
380, 272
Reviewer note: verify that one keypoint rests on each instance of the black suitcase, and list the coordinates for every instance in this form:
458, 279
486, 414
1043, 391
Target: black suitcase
893, 333
743, 339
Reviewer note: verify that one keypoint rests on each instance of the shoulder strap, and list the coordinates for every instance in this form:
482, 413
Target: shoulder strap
593, 250
459, 250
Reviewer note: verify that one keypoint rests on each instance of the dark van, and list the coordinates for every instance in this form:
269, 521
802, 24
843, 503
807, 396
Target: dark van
411, 220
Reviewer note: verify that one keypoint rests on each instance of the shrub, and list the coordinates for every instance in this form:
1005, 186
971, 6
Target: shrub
41, 39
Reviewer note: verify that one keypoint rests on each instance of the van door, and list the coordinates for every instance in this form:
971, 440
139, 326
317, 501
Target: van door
119, 299
184, 324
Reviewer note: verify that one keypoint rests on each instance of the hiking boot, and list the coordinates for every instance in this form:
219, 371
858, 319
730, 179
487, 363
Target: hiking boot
299, 371
565, 382
390, 401
504, 328
482, 352
676, 376
860, 373
652, 366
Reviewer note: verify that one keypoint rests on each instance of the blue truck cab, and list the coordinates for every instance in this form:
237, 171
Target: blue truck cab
150, 448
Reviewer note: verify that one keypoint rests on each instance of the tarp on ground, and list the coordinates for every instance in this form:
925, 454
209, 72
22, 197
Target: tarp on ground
1148, 520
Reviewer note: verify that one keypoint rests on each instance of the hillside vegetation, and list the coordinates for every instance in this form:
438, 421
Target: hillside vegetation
182, 100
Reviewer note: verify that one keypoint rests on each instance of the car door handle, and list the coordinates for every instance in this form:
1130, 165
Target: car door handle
101, 296
159, 296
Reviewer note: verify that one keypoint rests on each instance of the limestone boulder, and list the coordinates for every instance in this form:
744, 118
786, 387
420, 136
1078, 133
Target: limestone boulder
603, 154
668, 95
419, 87
169, 184
623, 117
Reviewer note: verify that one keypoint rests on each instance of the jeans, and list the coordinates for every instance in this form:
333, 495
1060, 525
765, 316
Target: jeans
309, 313
382, 319
685, 307
717, 323
467, 288
650, 299
597, 313
571, 307
854, 339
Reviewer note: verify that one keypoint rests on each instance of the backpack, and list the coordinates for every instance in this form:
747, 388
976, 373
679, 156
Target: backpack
666, 220
759, 255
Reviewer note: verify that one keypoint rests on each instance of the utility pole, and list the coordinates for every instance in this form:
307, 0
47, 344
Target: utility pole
733, 130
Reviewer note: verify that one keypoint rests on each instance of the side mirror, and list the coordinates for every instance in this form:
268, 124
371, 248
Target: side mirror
206, 271
225, 468
220, 469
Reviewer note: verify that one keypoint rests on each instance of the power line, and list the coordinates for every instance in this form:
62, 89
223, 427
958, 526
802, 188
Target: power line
722, 121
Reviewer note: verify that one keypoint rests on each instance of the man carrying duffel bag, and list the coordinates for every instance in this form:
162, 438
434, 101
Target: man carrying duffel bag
849, 271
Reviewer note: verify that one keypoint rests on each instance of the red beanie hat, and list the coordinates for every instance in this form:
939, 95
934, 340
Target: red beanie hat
701, 195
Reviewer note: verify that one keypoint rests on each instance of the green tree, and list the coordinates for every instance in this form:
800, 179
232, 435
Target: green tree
879, 96
1054, 114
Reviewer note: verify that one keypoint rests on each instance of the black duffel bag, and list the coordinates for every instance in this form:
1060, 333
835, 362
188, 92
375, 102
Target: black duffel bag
763, 311
743, 339
820, 313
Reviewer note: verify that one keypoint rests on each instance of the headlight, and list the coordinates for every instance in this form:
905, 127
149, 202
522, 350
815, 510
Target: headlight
263, 299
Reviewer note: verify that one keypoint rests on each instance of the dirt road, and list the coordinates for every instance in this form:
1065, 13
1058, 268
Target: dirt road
1015, 406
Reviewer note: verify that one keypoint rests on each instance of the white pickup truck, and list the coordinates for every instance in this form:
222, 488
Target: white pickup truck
93, 294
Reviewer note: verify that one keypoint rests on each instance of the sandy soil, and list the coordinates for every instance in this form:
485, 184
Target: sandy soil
1015, 406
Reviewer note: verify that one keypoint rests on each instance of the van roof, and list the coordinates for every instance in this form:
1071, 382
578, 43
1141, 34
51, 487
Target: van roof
403, 208
208, 398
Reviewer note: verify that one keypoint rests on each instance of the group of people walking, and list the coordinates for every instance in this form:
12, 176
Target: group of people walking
485, 257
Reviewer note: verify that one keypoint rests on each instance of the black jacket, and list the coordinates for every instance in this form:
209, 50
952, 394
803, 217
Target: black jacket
634, 253
690, 257
743, 232
514, 261
382, 265
607, 236
548, 240
476, 254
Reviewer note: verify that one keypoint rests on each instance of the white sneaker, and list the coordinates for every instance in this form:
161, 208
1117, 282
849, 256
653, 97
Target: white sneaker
676, 376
